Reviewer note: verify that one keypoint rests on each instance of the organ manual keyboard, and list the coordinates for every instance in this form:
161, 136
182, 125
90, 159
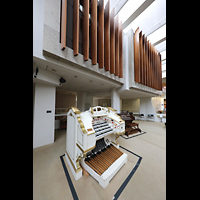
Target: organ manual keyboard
91, 143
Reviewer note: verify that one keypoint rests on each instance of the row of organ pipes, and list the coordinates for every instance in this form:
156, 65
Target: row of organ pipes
147, 62
100, 33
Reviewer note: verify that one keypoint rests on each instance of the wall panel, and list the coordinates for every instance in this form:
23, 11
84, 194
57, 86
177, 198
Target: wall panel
107, 36
101, 34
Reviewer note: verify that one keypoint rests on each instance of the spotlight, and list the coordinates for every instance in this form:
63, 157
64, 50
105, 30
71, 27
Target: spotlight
36, 72
62, 80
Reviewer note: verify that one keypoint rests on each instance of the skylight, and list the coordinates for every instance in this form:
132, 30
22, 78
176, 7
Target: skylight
129, 8
163, 55
157, 35
164, 67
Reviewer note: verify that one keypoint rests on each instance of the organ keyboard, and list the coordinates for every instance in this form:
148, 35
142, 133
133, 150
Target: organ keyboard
91, 143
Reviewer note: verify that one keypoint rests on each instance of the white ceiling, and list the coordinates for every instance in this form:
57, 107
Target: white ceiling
76, 80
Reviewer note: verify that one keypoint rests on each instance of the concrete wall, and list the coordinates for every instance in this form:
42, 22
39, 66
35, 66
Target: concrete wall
131, 105
65, 100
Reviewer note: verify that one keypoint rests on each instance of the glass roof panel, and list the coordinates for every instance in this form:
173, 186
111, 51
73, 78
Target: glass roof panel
157, 35
129, 8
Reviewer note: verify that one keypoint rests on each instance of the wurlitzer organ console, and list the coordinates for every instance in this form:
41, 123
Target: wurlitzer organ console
91, 143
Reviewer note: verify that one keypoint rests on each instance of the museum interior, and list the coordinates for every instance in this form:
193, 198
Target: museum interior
99, 99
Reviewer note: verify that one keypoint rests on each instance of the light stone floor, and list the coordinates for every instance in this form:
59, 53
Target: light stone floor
148, 182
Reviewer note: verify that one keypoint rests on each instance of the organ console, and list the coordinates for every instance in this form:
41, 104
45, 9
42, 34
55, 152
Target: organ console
91, 143
130, 126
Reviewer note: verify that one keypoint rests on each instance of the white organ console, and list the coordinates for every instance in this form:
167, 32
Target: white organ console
91, 143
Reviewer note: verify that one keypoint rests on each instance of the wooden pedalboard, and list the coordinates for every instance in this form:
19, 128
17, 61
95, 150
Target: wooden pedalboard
101, 161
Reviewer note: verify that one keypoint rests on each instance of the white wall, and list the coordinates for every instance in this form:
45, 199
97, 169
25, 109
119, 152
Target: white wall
158, 103
131, 105
146, 107
38, 22
43, 122
115, 100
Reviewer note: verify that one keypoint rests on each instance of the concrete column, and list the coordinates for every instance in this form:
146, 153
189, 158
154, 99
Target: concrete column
115, 100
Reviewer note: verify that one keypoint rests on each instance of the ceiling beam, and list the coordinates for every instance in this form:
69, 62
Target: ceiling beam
154, 28
137, 12
119, 6
159, 41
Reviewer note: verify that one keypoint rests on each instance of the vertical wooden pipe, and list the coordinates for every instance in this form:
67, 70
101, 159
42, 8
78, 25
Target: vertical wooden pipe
76, 27
107, 37
112, 42
136, 56
120, 50
63, 24
100, 50
93, 49
86, 29
116, 46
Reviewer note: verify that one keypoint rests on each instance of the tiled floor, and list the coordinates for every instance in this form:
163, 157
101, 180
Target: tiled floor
147, 183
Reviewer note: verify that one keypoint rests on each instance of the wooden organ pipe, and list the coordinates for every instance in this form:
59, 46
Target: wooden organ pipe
86, 29
116, 46
94, 31
107, 37
76, 27
99, 37
101, 34
112, 42
120, 51
147, 62
137, 56
141, 57
63, 24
